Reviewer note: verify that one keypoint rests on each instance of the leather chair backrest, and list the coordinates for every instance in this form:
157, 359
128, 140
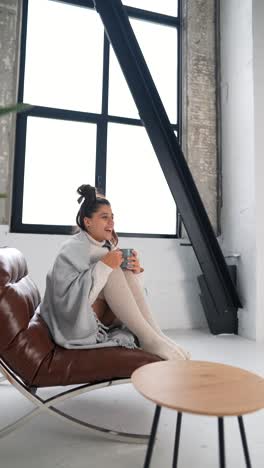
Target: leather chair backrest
25, 342
19, 296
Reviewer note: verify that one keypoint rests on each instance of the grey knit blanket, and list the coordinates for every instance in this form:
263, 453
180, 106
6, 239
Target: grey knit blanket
65, 307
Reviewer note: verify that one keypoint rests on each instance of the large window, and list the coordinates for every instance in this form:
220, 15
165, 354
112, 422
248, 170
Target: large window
84, 126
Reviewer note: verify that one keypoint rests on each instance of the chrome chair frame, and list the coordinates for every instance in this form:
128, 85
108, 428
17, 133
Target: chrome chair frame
47, 406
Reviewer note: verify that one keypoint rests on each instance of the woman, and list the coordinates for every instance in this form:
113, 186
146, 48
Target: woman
89, 300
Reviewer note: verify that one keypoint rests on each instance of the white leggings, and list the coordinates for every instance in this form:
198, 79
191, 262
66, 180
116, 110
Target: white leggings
125, 297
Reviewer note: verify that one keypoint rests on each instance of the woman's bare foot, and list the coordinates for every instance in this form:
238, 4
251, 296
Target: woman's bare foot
186, 353
166, 350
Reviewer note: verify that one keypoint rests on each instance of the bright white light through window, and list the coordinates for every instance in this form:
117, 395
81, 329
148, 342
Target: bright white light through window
166, 7
136, 187
60, 156
121, 101
64, 70
159, 47
64, 56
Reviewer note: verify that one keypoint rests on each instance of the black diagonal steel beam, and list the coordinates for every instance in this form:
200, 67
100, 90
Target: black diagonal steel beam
170, 156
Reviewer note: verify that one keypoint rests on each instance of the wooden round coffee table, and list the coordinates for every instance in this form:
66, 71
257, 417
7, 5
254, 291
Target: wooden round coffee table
200, 387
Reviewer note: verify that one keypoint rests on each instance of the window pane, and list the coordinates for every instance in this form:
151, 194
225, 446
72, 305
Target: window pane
121, 102
136, 187
60, 156
64, 56
159, 46
167, 7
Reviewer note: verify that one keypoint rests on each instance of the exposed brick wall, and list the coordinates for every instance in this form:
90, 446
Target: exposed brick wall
8, 80
199, 100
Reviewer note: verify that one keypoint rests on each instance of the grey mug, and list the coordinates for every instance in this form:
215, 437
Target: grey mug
126, 253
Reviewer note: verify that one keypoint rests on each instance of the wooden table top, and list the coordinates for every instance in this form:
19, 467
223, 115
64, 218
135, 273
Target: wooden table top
201, 387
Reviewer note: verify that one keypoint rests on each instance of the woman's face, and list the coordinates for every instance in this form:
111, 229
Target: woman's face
100, 226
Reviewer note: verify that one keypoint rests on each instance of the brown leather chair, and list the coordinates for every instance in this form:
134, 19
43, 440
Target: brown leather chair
30, 359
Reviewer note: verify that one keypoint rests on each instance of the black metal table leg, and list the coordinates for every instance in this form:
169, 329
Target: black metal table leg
177, 441
152, 437
244, 441
221, 442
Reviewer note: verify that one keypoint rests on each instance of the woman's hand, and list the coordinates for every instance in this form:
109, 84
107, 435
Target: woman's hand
133, 263
113, 259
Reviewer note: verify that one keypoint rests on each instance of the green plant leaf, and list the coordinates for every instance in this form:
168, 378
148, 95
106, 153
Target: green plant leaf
14, 108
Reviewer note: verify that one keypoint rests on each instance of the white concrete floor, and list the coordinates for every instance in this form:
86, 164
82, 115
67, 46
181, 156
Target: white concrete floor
47, 442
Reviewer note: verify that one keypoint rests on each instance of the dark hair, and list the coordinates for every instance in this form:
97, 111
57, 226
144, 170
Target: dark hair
91, 200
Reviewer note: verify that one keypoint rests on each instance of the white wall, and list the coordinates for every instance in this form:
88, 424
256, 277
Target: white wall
170, 273
258, 60
242, 57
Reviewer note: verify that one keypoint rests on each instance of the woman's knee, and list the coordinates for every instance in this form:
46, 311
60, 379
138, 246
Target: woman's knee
129, 274
117, 275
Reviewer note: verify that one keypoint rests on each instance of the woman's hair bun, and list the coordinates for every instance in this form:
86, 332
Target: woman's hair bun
86, 192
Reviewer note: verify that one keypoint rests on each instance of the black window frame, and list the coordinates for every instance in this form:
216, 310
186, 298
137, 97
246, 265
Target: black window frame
101, 120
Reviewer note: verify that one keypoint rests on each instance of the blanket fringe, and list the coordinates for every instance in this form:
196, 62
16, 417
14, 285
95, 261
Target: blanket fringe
102, 330
125, 339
